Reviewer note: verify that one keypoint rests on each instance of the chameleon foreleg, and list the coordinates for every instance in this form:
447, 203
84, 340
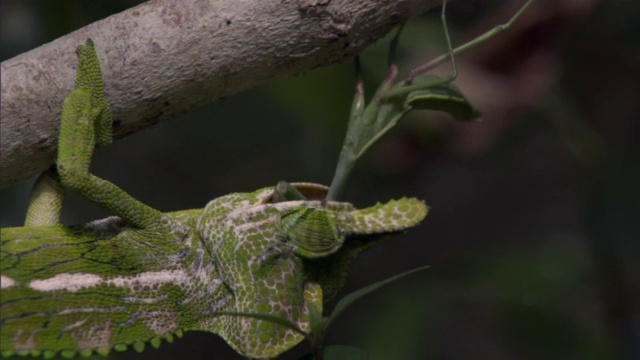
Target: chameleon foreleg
86, 121
45, 203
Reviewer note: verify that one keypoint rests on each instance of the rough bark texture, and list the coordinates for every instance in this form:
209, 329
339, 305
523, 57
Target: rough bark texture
165, 57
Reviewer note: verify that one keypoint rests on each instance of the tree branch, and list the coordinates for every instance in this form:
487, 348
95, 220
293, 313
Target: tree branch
165, 57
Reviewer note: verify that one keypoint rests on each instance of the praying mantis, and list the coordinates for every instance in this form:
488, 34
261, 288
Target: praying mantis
255, 268
395, 98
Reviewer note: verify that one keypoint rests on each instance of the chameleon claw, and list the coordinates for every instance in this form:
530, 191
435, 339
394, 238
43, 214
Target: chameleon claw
68, 354
155, 342
86, 353
139, 346
169, 338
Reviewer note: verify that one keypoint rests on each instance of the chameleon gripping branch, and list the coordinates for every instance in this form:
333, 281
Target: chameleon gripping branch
143, 276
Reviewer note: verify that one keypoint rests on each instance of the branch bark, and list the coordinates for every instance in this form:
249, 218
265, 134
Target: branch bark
163, 58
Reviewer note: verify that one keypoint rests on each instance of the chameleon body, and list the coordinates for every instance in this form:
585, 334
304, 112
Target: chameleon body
143, 276
106, 284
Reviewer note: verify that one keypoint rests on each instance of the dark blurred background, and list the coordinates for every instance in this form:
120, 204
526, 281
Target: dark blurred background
533, 236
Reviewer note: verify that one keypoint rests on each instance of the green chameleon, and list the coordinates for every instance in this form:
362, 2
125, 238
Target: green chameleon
143, 275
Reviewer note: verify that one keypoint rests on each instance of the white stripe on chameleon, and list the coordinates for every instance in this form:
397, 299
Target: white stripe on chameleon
69, 282
144, 300
91, 310
111, 222
28, 344
160, 322
75, 282
6, 282
75, 325
176, 277
98, 336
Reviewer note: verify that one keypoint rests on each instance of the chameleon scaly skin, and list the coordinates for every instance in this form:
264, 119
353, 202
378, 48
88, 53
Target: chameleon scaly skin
265, 273
45, 204
143, 276
104, 285
86, 122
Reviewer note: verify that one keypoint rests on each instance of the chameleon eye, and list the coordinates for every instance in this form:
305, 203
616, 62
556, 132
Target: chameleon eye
312, 232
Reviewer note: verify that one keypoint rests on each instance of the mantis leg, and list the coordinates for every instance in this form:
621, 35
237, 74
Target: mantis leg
469, 45
407, 86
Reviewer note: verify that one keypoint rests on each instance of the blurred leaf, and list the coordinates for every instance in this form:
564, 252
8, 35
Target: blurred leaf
543, 273
411, 326
445, 97
321, 97
342, 352
538, 332
349, 299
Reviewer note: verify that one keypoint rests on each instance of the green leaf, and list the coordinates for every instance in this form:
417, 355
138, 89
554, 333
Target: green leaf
339, 352
445, 97
349, 299
343, 352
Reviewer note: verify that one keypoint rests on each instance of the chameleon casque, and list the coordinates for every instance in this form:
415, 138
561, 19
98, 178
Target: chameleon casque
142, 276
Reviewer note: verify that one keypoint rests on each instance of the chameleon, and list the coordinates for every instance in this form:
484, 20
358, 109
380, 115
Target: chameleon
142, 276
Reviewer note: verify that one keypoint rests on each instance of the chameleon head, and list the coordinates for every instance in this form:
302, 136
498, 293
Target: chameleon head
280, 258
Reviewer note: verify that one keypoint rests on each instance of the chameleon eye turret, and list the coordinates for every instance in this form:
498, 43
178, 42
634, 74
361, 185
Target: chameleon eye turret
312, 232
